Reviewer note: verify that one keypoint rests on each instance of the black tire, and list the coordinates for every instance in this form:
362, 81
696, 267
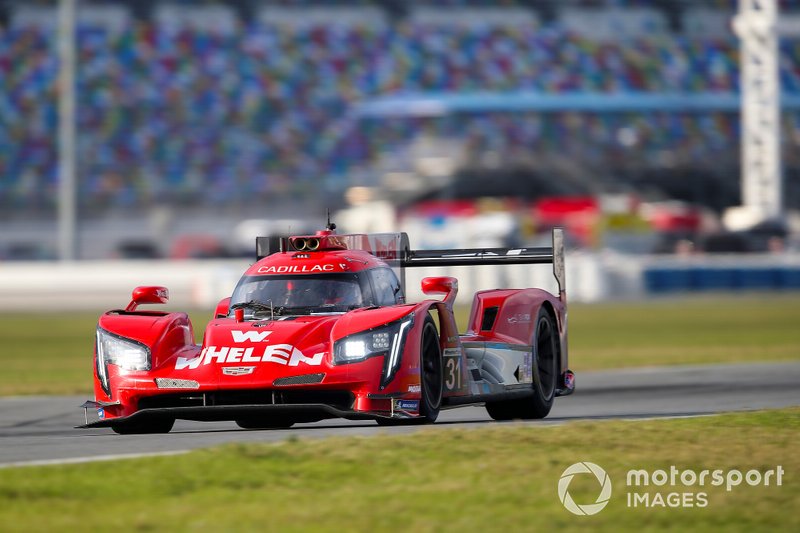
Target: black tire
545, 375
259, 423
145, 428
431, 379
431, 372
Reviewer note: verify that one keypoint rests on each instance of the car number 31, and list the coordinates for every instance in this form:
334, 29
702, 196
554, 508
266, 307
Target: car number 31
452, 372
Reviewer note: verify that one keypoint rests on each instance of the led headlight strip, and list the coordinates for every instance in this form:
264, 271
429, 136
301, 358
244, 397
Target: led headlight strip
396, 354
125, 353
388, 340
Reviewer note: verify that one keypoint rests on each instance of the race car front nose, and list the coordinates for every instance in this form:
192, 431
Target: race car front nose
388, 341
126, 354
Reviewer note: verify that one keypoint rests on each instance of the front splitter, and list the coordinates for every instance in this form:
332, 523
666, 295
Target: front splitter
215, 413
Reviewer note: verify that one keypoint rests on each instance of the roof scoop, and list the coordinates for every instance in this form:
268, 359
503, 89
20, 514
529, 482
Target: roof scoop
323, 241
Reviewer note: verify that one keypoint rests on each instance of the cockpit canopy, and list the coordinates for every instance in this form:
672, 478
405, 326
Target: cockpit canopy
284, 294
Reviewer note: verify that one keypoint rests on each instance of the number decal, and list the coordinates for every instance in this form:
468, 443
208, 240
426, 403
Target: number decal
453, 372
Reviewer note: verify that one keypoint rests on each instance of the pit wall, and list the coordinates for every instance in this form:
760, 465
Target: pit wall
101, 285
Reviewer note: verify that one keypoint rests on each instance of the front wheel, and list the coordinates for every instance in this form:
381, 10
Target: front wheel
431, 378
545, 370
431, 372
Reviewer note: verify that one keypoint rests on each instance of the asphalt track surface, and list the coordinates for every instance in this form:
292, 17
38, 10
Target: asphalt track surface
40, 429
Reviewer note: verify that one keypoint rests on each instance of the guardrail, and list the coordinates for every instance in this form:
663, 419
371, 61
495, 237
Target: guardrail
591, 277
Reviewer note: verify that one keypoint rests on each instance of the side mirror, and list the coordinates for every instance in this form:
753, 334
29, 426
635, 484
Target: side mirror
441, 285
148, 295
223, 307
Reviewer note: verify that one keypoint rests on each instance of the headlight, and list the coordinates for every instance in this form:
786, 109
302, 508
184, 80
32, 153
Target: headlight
388, 340
127, 354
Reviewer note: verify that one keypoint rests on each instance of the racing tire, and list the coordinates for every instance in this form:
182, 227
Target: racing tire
431, 373
431, 379
258, 423
545, 369
145, 428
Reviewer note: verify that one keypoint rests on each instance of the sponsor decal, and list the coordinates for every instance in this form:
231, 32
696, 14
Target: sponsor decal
250, 336
526, 374
296, 269
406, 405
520, 318
282, 354
414, 388
101, 413
238, 370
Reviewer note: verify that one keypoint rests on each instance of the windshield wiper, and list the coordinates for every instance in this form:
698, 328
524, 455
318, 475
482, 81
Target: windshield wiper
283, 310
254, 305
297, 310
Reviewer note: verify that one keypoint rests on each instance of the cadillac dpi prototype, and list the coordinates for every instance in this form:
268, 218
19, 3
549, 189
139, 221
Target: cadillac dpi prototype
318, 327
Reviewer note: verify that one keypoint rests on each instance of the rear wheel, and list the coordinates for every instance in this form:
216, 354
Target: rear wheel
545, 369
259, 423
143, 428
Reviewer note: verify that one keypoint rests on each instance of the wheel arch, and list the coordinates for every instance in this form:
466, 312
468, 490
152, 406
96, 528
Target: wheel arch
443, 319
548, 306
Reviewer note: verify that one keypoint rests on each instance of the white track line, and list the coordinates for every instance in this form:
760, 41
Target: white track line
92, 459
123, 456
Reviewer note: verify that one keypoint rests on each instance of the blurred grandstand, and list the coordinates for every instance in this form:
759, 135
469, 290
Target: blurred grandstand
222, 110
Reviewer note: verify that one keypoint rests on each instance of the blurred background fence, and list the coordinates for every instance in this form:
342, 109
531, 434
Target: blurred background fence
591, 277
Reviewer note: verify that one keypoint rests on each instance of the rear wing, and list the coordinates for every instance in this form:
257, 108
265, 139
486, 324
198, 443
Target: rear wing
497, 256
394, 249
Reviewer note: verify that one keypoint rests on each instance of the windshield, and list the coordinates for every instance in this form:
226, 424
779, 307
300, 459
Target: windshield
305, 294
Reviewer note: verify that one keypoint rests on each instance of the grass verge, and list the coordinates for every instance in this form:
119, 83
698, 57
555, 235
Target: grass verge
706, 330
52, 353
497, 478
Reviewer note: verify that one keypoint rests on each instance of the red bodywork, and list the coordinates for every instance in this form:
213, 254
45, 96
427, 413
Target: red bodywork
287, 362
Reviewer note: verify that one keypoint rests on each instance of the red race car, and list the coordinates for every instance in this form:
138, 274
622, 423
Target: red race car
319, 328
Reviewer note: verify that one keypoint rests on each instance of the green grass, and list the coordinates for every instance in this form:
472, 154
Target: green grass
687, 331
496, 478
51, 353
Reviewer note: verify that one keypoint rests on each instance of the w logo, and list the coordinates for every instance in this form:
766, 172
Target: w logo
249, 336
